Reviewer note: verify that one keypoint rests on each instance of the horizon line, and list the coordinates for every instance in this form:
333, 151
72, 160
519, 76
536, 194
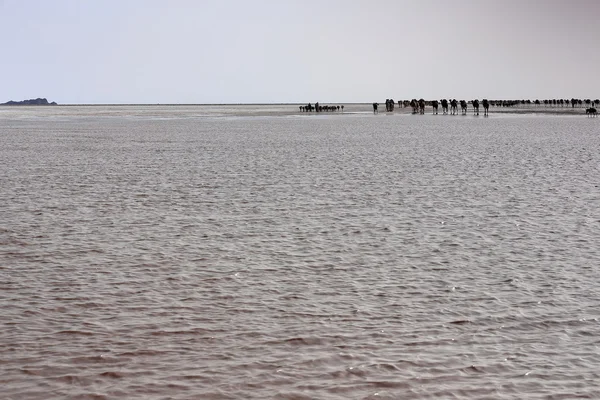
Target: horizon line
247, 104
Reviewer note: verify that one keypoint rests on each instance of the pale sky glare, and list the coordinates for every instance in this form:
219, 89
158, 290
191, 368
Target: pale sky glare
284, 51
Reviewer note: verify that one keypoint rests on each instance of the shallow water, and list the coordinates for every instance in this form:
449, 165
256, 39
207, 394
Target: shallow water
249, 253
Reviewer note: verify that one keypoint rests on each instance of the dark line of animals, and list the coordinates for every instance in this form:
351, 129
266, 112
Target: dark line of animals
418, 106
320, 108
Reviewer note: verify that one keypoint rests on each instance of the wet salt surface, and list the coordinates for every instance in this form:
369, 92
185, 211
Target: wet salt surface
245, 256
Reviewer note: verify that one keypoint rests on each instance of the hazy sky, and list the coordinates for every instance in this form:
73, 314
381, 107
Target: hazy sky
270, 51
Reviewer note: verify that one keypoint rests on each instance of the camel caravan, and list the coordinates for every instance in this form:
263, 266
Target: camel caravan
451, 106
320, 108
418, 106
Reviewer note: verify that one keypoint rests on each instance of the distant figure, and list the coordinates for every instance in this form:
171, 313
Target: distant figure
591, 112
486, 106
342, 108
309, 107
475, 107
375, 108
421, 106
317, 107
453, 107
463, 107
434, 105
444, 106
389, 105
415, 106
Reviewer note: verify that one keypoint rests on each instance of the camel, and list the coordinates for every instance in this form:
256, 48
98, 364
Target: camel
453, 106
389, 105
591, 112
475, 107
421, 106
486, 106
444, 106
463, 107
375, 108
434, 104
415, 106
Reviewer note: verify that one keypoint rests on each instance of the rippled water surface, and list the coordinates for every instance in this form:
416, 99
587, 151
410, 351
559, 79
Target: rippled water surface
246, 253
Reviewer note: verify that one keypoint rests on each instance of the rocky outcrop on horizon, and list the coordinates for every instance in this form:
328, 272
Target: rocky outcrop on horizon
30, 102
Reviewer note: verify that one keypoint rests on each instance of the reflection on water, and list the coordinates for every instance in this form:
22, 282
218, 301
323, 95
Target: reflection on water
190, 252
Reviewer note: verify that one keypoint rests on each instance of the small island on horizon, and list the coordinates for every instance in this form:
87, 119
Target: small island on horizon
30, 102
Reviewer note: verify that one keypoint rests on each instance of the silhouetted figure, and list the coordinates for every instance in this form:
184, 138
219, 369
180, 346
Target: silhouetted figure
463, 107
475, 107
342, 108
415, 106
486, 106
421, 106
389, 105
591, 112
444, 106
453, 107
434, 105
375, 108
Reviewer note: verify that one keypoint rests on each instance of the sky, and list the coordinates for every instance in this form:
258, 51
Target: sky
289, 51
